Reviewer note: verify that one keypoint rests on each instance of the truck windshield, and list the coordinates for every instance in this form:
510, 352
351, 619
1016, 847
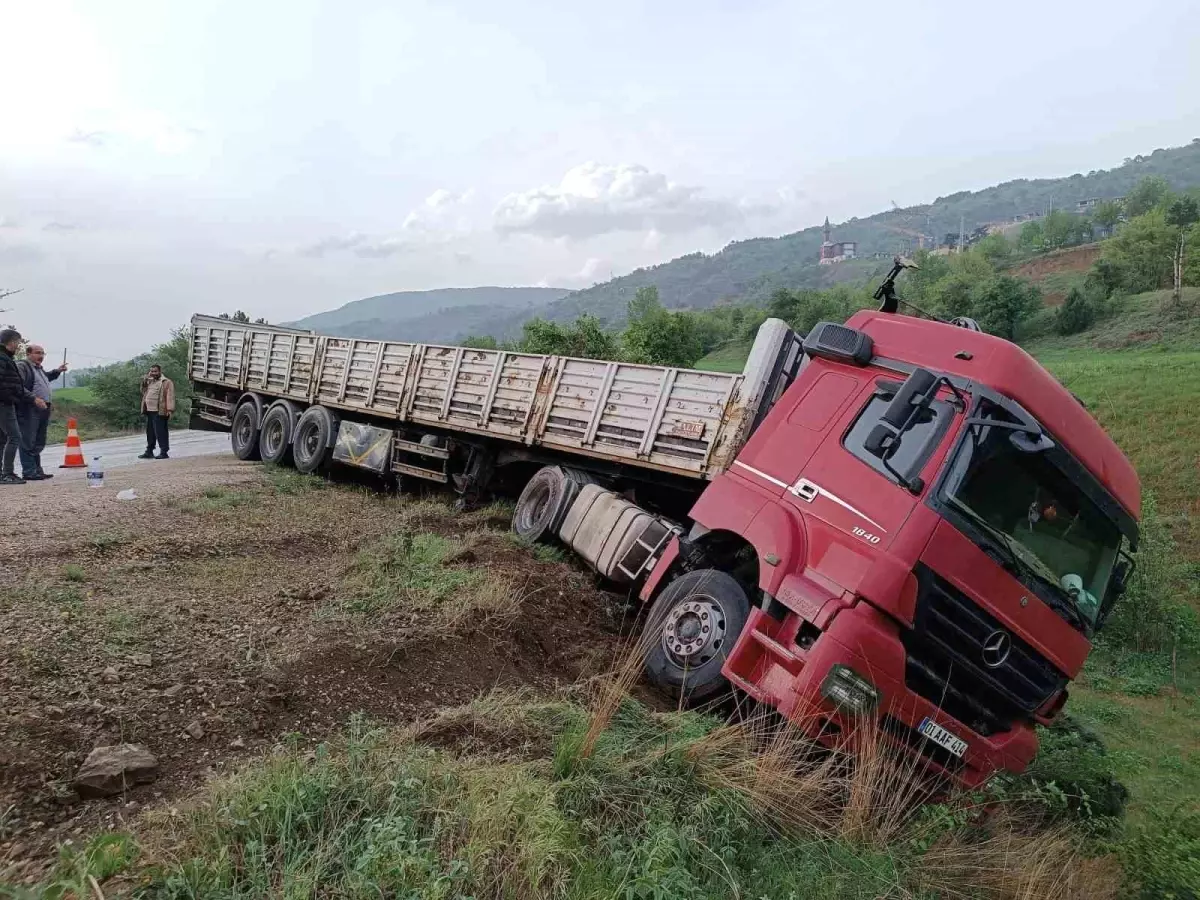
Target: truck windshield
1036, 515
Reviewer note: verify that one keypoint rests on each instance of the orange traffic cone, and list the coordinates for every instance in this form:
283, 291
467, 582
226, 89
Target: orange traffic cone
74, 458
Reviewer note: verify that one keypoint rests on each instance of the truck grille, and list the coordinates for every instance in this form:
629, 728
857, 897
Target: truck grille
945, 661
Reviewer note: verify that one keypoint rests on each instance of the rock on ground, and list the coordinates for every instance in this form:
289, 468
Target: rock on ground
111, 770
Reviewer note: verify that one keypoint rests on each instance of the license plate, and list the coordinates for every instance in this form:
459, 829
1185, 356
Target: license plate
942, 737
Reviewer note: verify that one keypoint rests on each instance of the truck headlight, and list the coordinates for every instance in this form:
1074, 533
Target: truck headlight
849, 691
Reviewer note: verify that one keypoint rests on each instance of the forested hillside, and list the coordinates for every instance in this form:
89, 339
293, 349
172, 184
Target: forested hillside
374, 317
750, 271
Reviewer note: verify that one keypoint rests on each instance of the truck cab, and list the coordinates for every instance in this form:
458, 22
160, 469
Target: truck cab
938, 529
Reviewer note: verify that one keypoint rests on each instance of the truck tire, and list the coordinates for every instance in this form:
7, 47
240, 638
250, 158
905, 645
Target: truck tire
543, 504
690, 630
275, 436
314, 434
243, 436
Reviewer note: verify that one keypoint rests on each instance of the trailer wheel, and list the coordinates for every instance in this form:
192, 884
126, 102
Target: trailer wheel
275, 437
314, 434
542, 505
689, 631
243, 436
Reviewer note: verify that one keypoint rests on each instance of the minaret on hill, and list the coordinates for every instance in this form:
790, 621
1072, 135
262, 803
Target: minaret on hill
834, 253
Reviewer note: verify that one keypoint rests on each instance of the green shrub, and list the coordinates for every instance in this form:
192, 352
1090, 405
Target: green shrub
1154, 615
1161, 856
1073, 778
1076, 314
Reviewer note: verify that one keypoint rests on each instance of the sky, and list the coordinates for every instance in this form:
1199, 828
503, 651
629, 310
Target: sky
159, 159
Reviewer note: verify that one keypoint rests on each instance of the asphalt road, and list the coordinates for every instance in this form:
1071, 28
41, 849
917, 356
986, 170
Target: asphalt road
116, 453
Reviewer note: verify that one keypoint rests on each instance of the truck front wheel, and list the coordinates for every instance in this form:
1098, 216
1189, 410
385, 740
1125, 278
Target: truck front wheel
690, 629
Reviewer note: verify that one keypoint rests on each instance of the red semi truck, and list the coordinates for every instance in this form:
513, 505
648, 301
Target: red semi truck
892, 518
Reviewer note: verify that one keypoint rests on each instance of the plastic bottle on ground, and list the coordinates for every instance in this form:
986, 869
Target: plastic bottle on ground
95, 473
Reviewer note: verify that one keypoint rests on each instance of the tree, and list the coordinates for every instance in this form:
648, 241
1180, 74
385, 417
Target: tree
481, 342
1082, 231
995, 248
1058, 228
118, 387
583, 338
1032, 237
1183, 213
1076, 314
657, 336
1138, 257
954, 294
1146, 194
1107, 214
238, 316
1002, 303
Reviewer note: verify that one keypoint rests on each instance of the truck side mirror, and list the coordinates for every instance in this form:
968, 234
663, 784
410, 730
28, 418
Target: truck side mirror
1120, 578
1117, 586
918, 385
909, 402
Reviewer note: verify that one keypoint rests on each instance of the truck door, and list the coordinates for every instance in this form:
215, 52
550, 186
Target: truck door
853, 505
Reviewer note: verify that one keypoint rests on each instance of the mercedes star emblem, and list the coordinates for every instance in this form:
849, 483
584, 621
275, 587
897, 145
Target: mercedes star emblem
996, 648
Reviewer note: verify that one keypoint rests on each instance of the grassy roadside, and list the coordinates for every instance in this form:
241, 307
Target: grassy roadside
77, 403
508, 797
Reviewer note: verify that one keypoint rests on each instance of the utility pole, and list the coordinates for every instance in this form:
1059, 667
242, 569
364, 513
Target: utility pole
962, 222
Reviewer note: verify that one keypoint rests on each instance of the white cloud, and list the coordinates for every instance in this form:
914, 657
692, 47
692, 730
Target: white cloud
90, 138
594, 199
437, 220
19, 253
361, 245
141, 127
334, 244
442, 213
591, 268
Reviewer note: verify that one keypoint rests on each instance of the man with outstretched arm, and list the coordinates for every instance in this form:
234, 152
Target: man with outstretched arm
158, 403
35, 420
12, 396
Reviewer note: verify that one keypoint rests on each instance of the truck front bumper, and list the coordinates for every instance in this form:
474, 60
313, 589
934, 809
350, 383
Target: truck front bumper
769, 665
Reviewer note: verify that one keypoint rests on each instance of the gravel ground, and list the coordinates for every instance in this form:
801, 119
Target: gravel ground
206, 620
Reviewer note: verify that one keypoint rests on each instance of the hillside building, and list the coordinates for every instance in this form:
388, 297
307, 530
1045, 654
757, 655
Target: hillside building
835, 252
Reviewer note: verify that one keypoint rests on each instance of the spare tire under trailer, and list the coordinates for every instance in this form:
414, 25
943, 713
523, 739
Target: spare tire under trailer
546, 500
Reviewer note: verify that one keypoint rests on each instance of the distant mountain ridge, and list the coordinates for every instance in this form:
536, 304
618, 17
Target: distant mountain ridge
750, 270
744, 271
379, 316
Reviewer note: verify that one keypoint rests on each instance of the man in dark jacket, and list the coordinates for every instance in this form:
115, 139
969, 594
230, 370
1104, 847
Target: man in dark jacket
35, 421
12, 396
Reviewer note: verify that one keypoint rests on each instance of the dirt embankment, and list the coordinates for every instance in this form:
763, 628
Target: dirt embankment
1071, 261
214, 618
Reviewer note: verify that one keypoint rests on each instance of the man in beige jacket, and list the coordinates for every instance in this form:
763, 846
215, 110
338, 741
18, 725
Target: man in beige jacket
158, 402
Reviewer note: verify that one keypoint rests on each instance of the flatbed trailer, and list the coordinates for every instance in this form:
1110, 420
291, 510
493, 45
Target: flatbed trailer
678, 421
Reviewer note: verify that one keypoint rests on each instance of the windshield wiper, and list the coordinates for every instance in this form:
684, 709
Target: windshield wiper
1008, 557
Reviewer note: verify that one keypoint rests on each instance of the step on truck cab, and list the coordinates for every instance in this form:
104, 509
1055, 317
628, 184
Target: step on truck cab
891, 519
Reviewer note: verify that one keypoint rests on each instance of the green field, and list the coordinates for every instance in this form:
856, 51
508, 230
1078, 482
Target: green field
78, 403
74, 395
730, 358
